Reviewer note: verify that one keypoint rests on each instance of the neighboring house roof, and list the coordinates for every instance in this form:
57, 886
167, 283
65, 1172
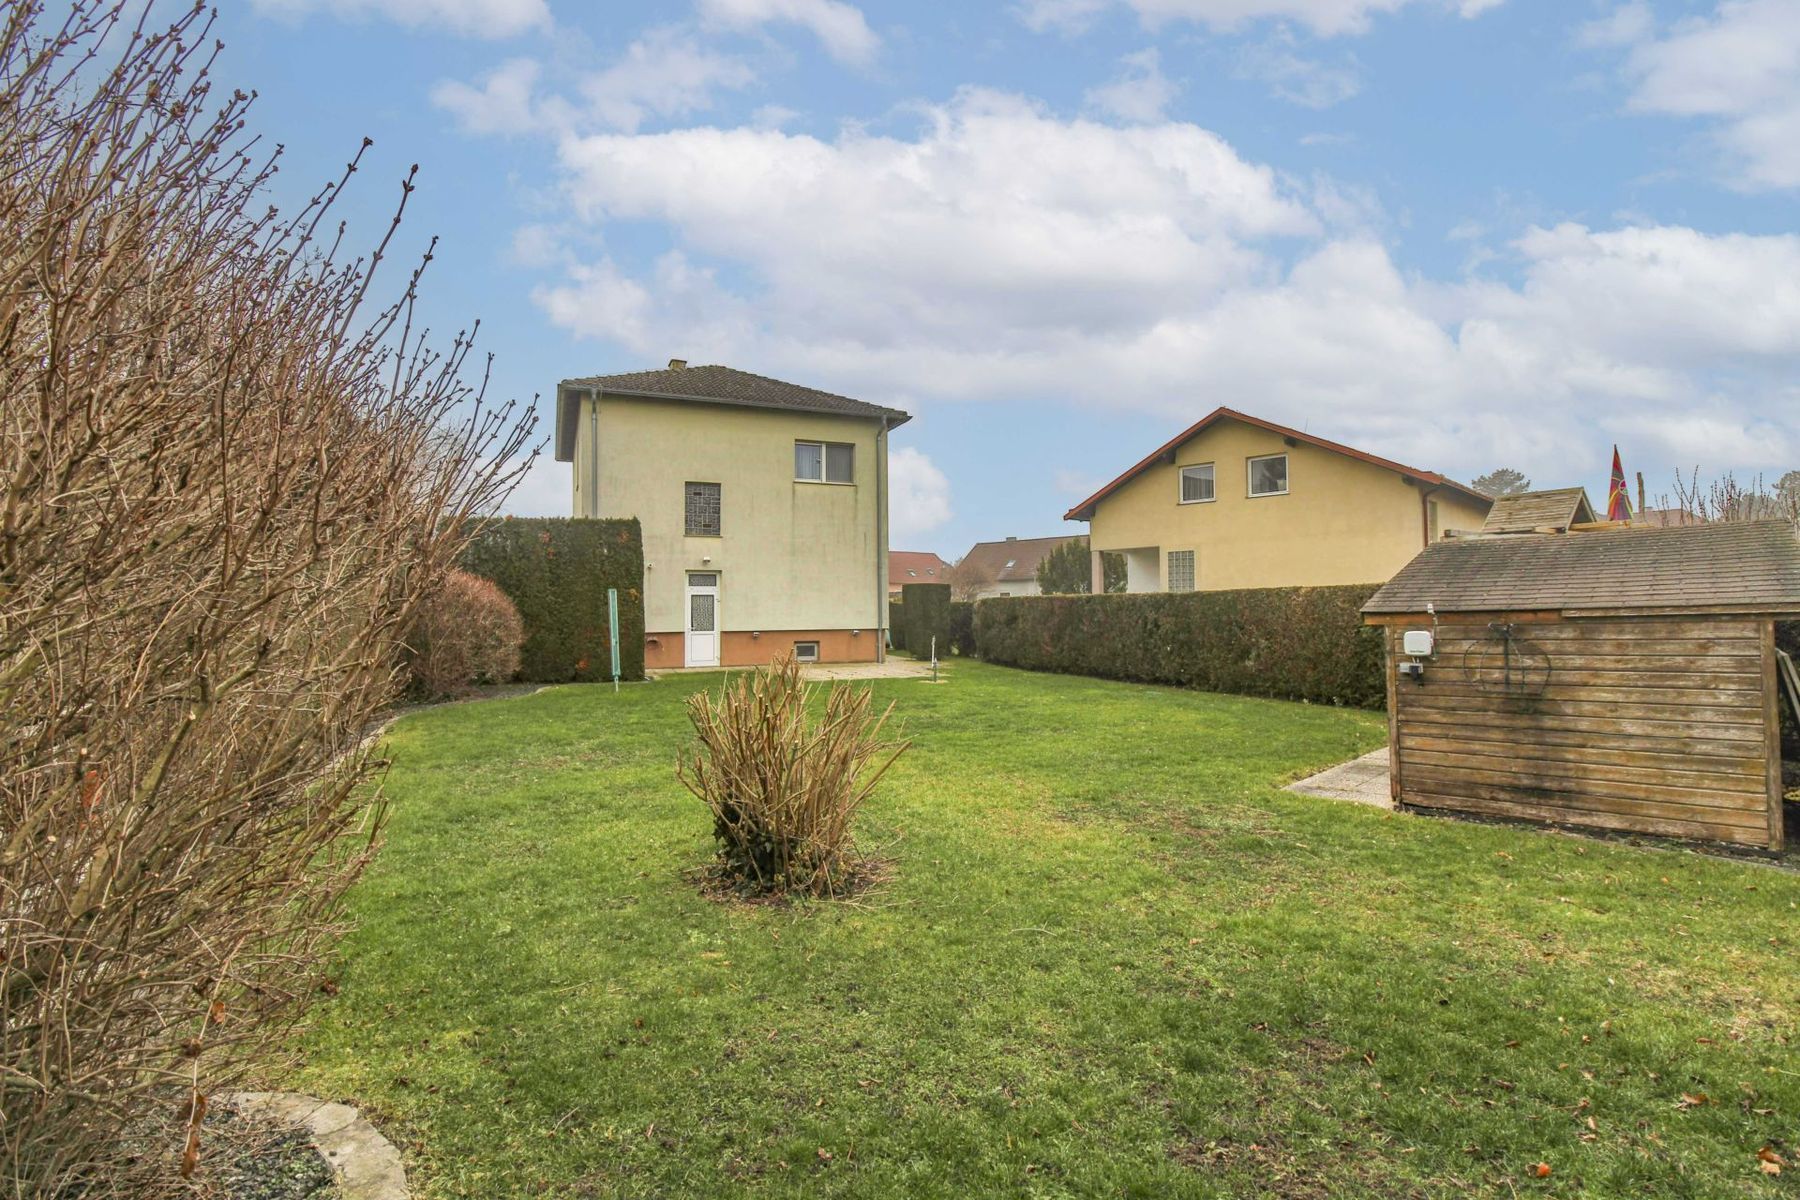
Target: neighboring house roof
709, 385
1014, 560
1535, 512
1166, 452
914, 566
1741, 566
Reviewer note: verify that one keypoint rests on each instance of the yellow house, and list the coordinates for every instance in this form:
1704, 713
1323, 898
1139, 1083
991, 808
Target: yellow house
1235, 501
763, 506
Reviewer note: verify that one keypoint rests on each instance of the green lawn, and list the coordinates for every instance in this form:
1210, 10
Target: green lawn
1112, 959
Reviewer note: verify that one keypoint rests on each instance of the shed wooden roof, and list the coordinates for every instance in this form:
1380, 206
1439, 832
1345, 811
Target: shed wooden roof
1531, 512
1733, 566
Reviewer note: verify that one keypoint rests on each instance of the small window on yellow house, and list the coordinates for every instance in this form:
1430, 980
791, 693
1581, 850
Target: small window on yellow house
1269, 475
1181, 570
1197, 484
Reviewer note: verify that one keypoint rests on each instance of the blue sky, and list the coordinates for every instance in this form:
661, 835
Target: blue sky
1458, 233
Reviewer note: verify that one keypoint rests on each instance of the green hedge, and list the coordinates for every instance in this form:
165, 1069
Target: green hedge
927, 615
962, 627
1289, 643
896, 625
557, 570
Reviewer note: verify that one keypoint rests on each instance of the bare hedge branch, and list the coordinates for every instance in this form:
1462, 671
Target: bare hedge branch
225, 484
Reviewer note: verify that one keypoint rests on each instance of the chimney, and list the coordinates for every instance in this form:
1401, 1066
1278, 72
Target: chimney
678, 364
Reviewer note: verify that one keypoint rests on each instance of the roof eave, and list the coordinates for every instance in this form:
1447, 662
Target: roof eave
1085, 510
894, 417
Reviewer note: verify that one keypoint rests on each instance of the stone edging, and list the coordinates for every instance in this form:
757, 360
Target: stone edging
365, 1164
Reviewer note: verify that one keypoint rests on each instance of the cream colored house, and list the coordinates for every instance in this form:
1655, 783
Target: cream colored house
763, 506
1235, 501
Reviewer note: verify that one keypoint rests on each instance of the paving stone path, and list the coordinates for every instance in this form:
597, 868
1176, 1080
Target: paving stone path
1361, 780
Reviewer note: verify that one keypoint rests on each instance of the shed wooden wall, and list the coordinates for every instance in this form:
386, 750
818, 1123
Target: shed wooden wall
1651, 725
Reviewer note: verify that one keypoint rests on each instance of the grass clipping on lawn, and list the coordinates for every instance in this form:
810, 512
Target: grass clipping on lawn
782, 785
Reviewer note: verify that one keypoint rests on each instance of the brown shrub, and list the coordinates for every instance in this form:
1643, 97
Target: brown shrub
782, 785
227, 488
469, 632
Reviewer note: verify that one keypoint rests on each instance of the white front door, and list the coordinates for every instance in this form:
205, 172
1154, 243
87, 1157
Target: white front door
702, 619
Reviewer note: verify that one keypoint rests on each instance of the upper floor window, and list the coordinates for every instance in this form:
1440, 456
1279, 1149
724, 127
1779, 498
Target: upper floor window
1268, 475
1197, 484
825, 462
702, 504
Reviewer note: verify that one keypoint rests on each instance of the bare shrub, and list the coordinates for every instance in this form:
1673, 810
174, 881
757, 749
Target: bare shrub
782, 784
468, 632
1728, 498
224, 487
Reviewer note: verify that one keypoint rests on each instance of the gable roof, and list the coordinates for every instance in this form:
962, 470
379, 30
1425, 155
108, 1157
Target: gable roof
1738, 566
1534, 512
1014, 560
709, 385
914, 566
1085, 510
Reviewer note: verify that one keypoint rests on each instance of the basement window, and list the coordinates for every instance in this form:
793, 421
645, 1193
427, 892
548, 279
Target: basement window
806, 652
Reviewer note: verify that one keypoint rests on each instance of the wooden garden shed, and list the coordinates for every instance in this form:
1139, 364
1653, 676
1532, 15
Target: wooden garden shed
1618, 678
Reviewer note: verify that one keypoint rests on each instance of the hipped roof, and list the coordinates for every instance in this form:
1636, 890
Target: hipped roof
709, 385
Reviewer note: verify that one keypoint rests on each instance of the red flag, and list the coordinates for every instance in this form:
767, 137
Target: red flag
1618, 500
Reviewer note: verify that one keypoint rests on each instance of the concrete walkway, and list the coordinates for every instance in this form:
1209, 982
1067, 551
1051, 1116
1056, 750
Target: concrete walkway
1361, 780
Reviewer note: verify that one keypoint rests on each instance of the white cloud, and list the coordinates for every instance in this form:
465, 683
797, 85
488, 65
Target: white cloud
996, 206
468, 18
1002, 253
1304, 81
661, 74
501, 104
1141, 93
1327, 18
1625, 25
918, 496
1738, 67
840, 27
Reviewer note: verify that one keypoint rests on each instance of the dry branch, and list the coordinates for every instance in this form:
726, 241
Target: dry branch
224, 487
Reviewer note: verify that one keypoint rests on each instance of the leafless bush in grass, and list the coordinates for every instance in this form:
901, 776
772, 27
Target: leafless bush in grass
468, 632
224, 486
783, 784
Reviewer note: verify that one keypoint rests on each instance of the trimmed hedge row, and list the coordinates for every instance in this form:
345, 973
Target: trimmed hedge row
557, 570
1287, 643
962, 627
926, 612
896, 624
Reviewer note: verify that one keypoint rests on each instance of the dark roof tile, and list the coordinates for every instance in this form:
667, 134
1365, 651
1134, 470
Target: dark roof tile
1752, 566
713, 385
